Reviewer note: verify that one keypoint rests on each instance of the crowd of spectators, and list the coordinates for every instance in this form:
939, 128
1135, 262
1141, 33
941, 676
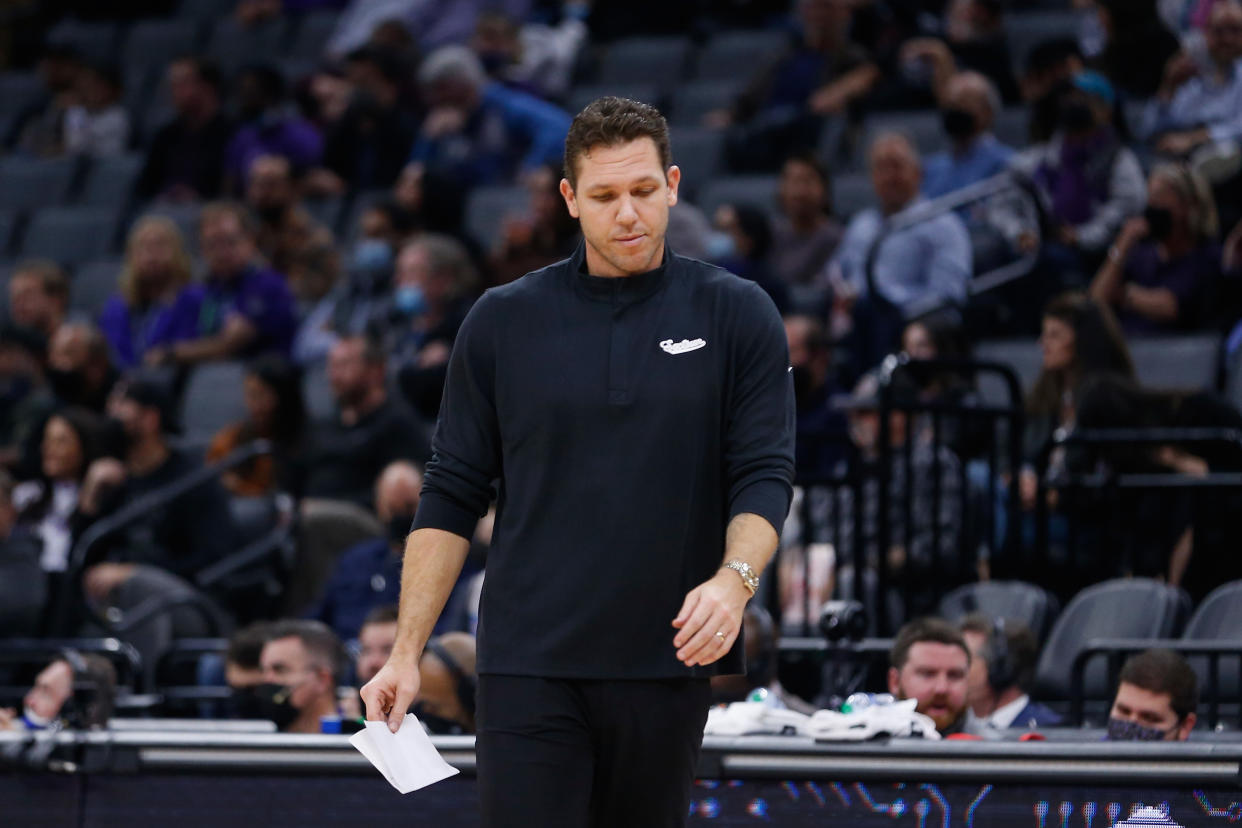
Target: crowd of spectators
310, 219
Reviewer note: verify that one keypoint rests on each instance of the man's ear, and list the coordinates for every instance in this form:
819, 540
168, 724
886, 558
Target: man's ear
571, 200
673, 177
894, 681
1187, 725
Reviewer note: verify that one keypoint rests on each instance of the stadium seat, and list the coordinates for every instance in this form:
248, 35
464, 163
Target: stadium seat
1011, 126
1034, 606
1121, 608
580, 96
851, 192
1026, 30
213, 399
185, 216
732, 53
1022, 355
19, 90
1177, 362
487, 208
326, 211
70, 235
317, 393
691, 101
1219, 618
91, 40
311, 36
154, 43
93, 283
697, 151
759, 190
203, 11
28, 184
656, 60
923, 127
110, 181
233, 45
9, 222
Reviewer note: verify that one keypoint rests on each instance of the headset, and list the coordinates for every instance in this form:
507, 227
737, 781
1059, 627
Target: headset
1002, 671
464, 684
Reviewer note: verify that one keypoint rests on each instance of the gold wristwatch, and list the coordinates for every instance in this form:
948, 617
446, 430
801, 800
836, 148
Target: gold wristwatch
749, 579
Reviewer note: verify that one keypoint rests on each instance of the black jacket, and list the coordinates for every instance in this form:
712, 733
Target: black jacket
627, 419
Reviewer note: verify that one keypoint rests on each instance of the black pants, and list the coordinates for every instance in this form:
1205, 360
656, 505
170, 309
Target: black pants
577, 753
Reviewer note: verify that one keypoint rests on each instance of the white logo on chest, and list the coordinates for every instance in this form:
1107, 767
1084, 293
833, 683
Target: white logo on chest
668, 346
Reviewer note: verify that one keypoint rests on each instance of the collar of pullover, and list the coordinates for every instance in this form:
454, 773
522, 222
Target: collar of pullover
617, 289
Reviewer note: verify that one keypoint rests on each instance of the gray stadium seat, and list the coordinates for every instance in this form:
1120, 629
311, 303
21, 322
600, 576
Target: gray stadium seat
19, 90
851, 192
697, 151
317, 393
203, 11
213, 399
1026, 30
92, 285
93, 40
28, 184
1121, 608
1218, 618
326, 211
691, 101
153, 43
8, 224
312, 34
732, 53
1034, 606
924, 127
759, 190
656, 60
70, 235
580, 96
1011, 126
185, 216
110, 181
487, 208
1176, 362
1022, 355
232, 45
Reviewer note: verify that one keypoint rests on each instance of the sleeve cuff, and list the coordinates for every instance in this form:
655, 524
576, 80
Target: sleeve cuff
438, 512
769, 499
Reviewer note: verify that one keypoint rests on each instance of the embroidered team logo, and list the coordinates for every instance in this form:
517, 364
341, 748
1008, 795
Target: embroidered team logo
668, 346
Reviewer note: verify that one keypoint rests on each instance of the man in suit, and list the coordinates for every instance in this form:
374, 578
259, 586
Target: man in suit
1002, 666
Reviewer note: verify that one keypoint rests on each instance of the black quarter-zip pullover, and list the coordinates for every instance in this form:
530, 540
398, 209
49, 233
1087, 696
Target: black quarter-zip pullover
628, 420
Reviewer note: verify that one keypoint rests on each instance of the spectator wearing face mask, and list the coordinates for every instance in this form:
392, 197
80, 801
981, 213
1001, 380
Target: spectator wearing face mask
447, 680
285, 228
302, 663
968, 107
1156, 699
1163, 263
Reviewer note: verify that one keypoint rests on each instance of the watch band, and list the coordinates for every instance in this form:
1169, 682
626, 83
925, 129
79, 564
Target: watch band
744, 570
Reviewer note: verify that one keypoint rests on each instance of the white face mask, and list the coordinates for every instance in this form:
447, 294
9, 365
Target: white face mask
33, 720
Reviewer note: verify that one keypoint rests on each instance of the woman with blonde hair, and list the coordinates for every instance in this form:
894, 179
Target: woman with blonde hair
1165, 263
156, 304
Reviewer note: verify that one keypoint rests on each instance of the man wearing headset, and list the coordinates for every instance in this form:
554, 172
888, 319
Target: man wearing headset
1002, 655
445, 701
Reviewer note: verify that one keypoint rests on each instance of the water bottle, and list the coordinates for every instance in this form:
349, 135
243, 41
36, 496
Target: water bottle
857, 702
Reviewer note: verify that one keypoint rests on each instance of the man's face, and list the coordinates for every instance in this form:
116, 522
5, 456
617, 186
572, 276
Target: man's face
270, 185
1224, 33
137, 421
348, 372
934, 674
227, 248
69, 349
437, 693
894, 174
52, 688
29, 306
397, 495
285, 661
622, 201
1150, 710
978, 692
184, 86
374, 646
801, 189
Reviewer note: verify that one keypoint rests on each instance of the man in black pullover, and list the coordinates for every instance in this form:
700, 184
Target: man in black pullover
637, 410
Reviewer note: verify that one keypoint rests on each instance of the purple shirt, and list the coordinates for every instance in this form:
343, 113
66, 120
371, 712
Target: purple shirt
132, 332
262, 296
1186, 277
294, 138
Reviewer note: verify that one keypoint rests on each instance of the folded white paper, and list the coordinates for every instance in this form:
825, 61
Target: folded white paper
407, 758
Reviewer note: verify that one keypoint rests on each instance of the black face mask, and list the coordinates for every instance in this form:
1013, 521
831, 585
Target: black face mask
1159, 222
1123, 730
1076, 116
265, 701
399, 528
68, 386
958, 123
437, 725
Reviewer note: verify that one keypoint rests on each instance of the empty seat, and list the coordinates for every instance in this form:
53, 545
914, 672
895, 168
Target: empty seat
1011, 126
657, 60
154, 43
213, 399
691, 101
730, 54
1176, 362
1122, 608
580, 96
70, 235
759, 190
487, 209
697, 151
851, 192
27, 184
110, 181
19, 90
1026, 30
1219, 618
1021, 355
93, 283
233, 45
1032, 605
94, 40
312, 35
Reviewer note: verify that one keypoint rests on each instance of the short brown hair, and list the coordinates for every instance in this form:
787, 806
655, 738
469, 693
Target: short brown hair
52, 279
1166, 672
323, 648
921, 630
610, 122
383, 614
